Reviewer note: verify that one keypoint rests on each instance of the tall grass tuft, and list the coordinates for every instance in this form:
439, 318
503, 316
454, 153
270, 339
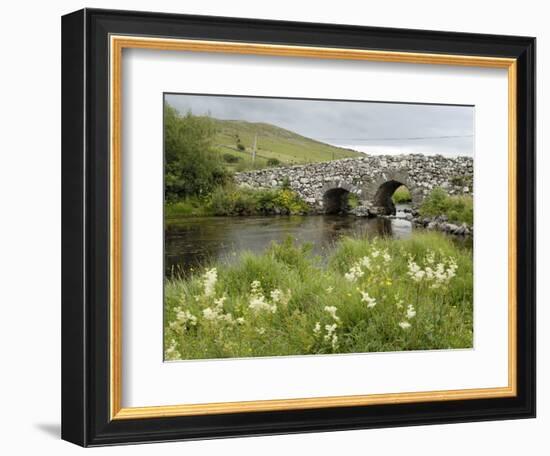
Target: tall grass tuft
459, 209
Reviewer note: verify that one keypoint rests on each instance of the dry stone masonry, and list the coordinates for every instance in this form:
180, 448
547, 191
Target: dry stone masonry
326, 186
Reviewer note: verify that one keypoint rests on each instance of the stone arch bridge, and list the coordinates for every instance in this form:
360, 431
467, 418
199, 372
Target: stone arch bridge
326, 186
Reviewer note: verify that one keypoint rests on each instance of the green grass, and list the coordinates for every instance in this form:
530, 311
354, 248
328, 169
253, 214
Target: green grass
273, 143
191, 206
287, 302
401, 195
232, 200
458, 209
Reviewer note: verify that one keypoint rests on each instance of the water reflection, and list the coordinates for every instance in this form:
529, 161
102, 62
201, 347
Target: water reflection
192, 242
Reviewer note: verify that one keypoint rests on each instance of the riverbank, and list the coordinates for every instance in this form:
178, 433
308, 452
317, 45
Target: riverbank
370, 295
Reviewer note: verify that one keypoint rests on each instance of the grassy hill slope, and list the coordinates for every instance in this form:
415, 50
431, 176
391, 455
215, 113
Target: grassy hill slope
273, 143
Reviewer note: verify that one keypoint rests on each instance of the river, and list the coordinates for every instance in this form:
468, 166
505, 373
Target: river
194, 241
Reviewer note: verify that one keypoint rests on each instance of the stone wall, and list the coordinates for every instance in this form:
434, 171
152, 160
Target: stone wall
372, 178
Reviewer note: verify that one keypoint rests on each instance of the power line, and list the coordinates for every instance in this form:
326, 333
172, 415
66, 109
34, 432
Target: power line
410, 138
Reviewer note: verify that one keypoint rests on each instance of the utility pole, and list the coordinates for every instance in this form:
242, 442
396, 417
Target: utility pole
254, 148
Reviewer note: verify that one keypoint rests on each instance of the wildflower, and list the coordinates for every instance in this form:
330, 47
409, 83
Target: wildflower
332, 311
260, 331
415, 272
240, 321
184, 317
371, 302
405, 325
258, 302
411, 313
375, 253
330, 329
210, 314
331, 336
365, 262
171, 352
210, 278
255, 287
430, 257
354, 273
317, 328
219, 302
334, 342
174, 325
329, 290
276, 295
386, 256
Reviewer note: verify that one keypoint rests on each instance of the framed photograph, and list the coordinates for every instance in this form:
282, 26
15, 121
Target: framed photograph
278, 227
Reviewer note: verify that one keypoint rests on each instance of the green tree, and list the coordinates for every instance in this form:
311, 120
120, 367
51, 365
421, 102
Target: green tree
191, 165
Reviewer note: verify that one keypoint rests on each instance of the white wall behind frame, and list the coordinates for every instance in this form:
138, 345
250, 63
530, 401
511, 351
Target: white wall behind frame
30, 241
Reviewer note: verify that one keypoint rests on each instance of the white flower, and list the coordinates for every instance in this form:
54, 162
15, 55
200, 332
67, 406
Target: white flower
174, 325
276, 295
415, 272
329, 290
240, 320
375, 253
365, 261
171, 352
430, 257
219, 302
330, 329
210, 278
331, 336
332, 311
258, 302
334, 342
405, 325
184, 316
317, 328
260, 331
255, 287
354, 273
371, 302
210, 314
386, 256
411, 313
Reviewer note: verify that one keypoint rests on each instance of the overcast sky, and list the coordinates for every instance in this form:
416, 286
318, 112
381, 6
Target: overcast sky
375, 128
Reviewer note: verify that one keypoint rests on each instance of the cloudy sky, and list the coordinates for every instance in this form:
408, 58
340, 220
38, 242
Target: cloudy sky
375, 128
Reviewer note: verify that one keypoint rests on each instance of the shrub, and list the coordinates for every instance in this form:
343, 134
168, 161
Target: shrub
401, 195
233, 200
273, 162
192, 166
459, 209
230, 158
240, 146
290, 202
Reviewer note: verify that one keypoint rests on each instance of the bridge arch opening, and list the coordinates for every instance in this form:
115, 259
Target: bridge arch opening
388, 194
336, 201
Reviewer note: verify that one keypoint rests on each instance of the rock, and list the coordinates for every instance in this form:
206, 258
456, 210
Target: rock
361, 211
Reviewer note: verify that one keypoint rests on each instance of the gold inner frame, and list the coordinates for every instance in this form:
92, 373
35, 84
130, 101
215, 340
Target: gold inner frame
117, 44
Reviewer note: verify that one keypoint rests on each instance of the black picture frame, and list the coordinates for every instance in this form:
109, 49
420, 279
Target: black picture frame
85, 228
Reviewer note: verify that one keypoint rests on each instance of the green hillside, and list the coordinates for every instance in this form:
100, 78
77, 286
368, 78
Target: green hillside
234, 141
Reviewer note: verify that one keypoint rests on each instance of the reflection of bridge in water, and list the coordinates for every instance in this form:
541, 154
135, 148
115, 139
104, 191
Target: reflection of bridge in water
195, 242
327, 186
